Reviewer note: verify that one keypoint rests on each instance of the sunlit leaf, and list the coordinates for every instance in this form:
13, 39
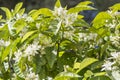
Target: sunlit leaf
18, 7
10, 48
86, 62
115, 7
27, 35
19, 25
66, 76
58, 4
21, 11
7, 11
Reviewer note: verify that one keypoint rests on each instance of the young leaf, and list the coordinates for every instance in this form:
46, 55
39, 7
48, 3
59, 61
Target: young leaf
21, 11
6, 53
19, 25
100, 19
85, 63
80, 8
45, 11
84, 3
115, 7
18, 7
58, 4
7, 11
28, 34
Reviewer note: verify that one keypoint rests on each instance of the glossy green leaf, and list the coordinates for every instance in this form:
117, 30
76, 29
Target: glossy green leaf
80, 8
45, 11
19, 25
58, 4
115, 7
7, 11
18, 7
4, 32
50, 56
27, 35
86, 62
66, 76
21, 11
100, 19
100, 74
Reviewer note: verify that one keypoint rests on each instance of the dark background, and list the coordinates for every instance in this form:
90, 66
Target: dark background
101, 5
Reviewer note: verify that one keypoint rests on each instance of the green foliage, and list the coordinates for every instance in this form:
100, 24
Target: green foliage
57, 44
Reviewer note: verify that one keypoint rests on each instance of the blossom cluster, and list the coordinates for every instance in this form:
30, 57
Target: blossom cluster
112, 65
61, 14
30, 51
4, 43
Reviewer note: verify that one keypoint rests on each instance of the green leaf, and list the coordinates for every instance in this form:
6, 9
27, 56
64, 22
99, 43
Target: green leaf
100, 78
31, 12
0, 16
86, 62
50, 56
45, 11
18, 7
79, 9
6, 52
18, 71
58, 27
115, 7
66, 76
88, 74
4, 32
7, 11
100, 19
80, 23
21, 11
27, 35
84, 3
100, 74
19, 25
10, 48
58, 4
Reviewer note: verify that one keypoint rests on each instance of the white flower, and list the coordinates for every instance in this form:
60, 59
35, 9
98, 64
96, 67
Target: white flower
38, 25
116, 74
32, 76
107, 65
29, 19
49, 78
18, 16
31, 50
115, 40
18, 56
4, 43
86, 37
70, 19
115, 55
60, 12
